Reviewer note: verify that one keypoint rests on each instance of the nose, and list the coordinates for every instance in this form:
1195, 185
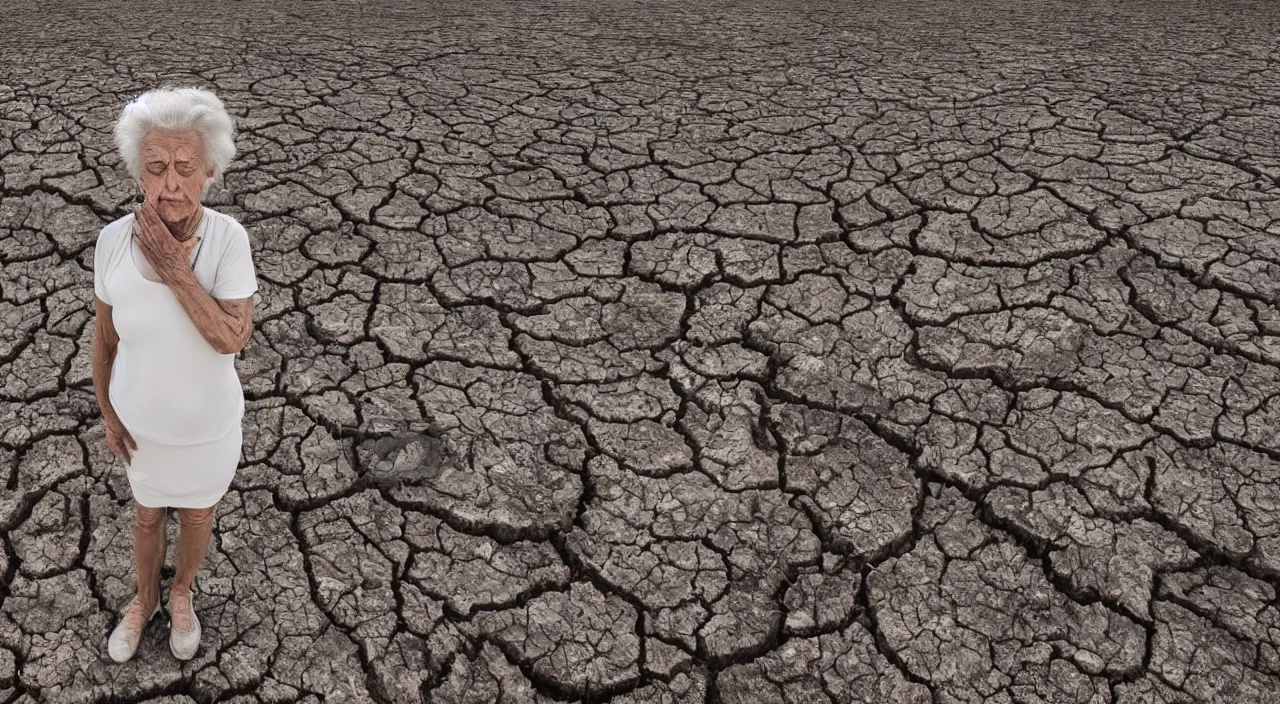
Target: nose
172, 182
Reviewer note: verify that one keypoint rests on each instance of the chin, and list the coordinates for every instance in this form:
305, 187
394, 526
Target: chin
176, 213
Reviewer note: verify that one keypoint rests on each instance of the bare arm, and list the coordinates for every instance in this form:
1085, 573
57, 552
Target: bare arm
105, 342
226, 325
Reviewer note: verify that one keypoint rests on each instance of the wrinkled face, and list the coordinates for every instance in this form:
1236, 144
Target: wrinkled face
175, 171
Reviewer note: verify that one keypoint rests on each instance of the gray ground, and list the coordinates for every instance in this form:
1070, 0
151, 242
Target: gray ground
854, 353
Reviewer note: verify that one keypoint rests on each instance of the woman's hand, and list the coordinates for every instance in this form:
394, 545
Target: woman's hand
119, 442
167, 256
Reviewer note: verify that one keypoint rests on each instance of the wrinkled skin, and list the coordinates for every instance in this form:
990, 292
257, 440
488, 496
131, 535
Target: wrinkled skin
173, 177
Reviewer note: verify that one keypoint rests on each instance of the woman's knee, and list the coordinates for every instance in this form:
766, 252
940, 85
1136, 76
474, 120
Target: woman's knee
148, 516
195, 516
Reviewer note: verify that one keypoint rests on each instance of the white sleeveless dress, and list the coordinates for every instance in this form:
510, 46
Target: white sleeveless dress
180, 399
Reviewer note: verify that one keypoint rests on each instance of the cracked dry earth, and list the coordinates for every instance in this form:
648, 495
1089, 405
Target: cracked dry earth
832, 354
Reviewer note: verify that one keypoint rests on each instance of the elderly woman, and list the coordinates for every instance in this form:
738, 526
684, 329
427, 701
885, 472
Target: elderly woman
174, 285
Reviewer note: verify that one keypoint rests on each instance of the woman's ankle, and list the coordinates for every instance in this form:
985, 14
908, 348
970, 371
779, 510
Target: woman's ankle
148, 599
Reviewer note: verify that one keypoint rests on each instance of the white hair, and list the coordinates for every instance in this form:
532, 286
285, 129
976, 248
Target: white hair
172, 108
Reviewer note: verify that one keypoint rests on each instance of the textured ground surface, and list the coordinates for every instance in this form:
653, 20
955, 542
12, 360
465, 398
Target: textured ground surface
839, 354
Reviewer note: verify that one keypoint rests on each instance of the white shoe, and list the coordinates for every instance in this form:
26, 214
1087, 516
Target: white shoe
123, 642
183, 644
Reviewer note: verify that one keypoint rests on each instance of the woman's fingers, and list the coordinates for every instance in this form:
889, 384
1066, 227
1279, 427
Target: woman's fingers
145, 212
145, 235
161, 250
153, 219
147, 230
119, 442
118, 450
147, 220
142, 235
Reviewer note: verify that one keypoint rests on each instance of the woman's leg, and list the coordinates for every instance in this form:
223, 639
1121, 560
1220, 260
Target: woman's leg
148, 551
193, 542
